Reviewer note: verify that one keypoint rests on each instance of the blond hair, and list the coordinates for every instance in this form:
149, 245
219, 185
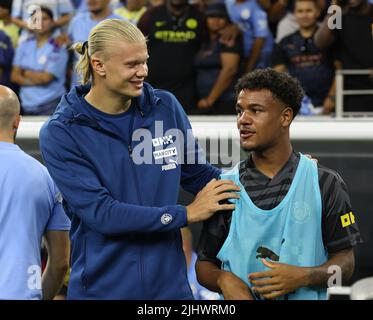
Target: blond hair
103, 36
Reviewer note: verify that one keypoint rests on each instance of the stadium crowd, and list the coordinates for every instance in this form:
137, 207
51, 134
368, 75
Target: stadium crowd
198, 49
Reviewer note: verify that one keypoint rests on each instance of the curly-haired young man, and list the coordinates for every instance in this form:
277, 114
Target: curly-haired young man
291, 211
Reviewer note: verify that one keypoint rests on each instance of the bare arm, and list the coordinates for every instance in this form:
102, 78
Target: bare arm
319, 276
63, 20
20, 23
329, 101
58, 247
324, 36
277, 11
229, 68
225, 282
255, 53
38, 77
284, 278
18, 77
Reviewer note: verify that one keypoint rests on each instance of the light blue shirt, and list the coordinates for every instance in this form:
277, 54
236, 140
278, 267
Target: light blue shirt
289, 233
49, 58
22, 9
252, 21
79, 29
30, 205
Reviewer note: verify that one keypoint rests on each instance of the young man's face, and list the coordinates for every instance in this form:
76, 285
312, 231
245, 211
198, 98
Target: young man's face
126, 69
306, 13
259, 117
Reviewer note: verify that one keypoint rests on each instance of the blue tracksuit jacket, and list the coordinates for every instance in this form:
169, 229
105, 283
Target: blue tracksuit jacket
125, 234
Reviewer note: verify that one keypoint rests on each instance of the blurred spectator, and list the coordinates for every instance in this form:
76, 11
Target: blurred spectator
39, 69
282, 19
132, 10
23, 9
30, 208
355, 44
6, 23
199, 292
6, 57
257, 38
83, 23
217, 65
175, 32
154, 3
298, 55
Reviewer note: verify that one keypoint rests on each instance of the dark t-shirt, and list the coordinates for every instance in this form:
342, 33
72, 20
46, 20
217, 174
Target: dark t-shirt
267, 193
173, 44
306, 62
208, 66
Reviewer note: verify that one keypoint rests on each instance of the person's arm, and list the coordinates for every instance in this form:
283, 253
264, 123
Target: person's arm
255, 53
17, 77
279, 56
221, 281
29, 77
92, 202
58, 248
229, 33
284, 278
20, 23
277, 11
324, 36
63, 20
228, 70
260, 32
38, 78
329, 101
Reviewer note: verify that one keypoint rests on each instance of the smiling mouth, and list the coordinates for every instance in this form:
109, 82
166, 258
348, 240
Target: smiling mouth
138, 84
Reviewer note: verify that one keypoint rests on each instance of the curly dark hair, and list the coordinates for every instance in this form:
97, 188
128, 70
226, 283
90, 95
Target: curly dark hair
283, 87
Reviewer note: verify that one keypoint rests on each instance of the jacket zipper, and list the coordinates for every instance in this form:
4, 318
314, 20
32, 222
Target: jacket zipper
142, 245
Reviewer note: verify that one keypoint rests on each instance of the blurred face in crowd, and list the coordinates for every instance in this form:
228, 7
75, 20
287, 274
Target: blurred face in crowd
46, 24
215, 23
97, 6
178, 4
124, 69
4, 13
306, 13
134, 5
261, 119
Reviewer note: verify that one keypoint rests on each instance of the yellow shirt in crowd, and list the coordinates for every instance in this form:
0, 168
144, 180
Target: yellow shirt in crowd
132, 16
12, 31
